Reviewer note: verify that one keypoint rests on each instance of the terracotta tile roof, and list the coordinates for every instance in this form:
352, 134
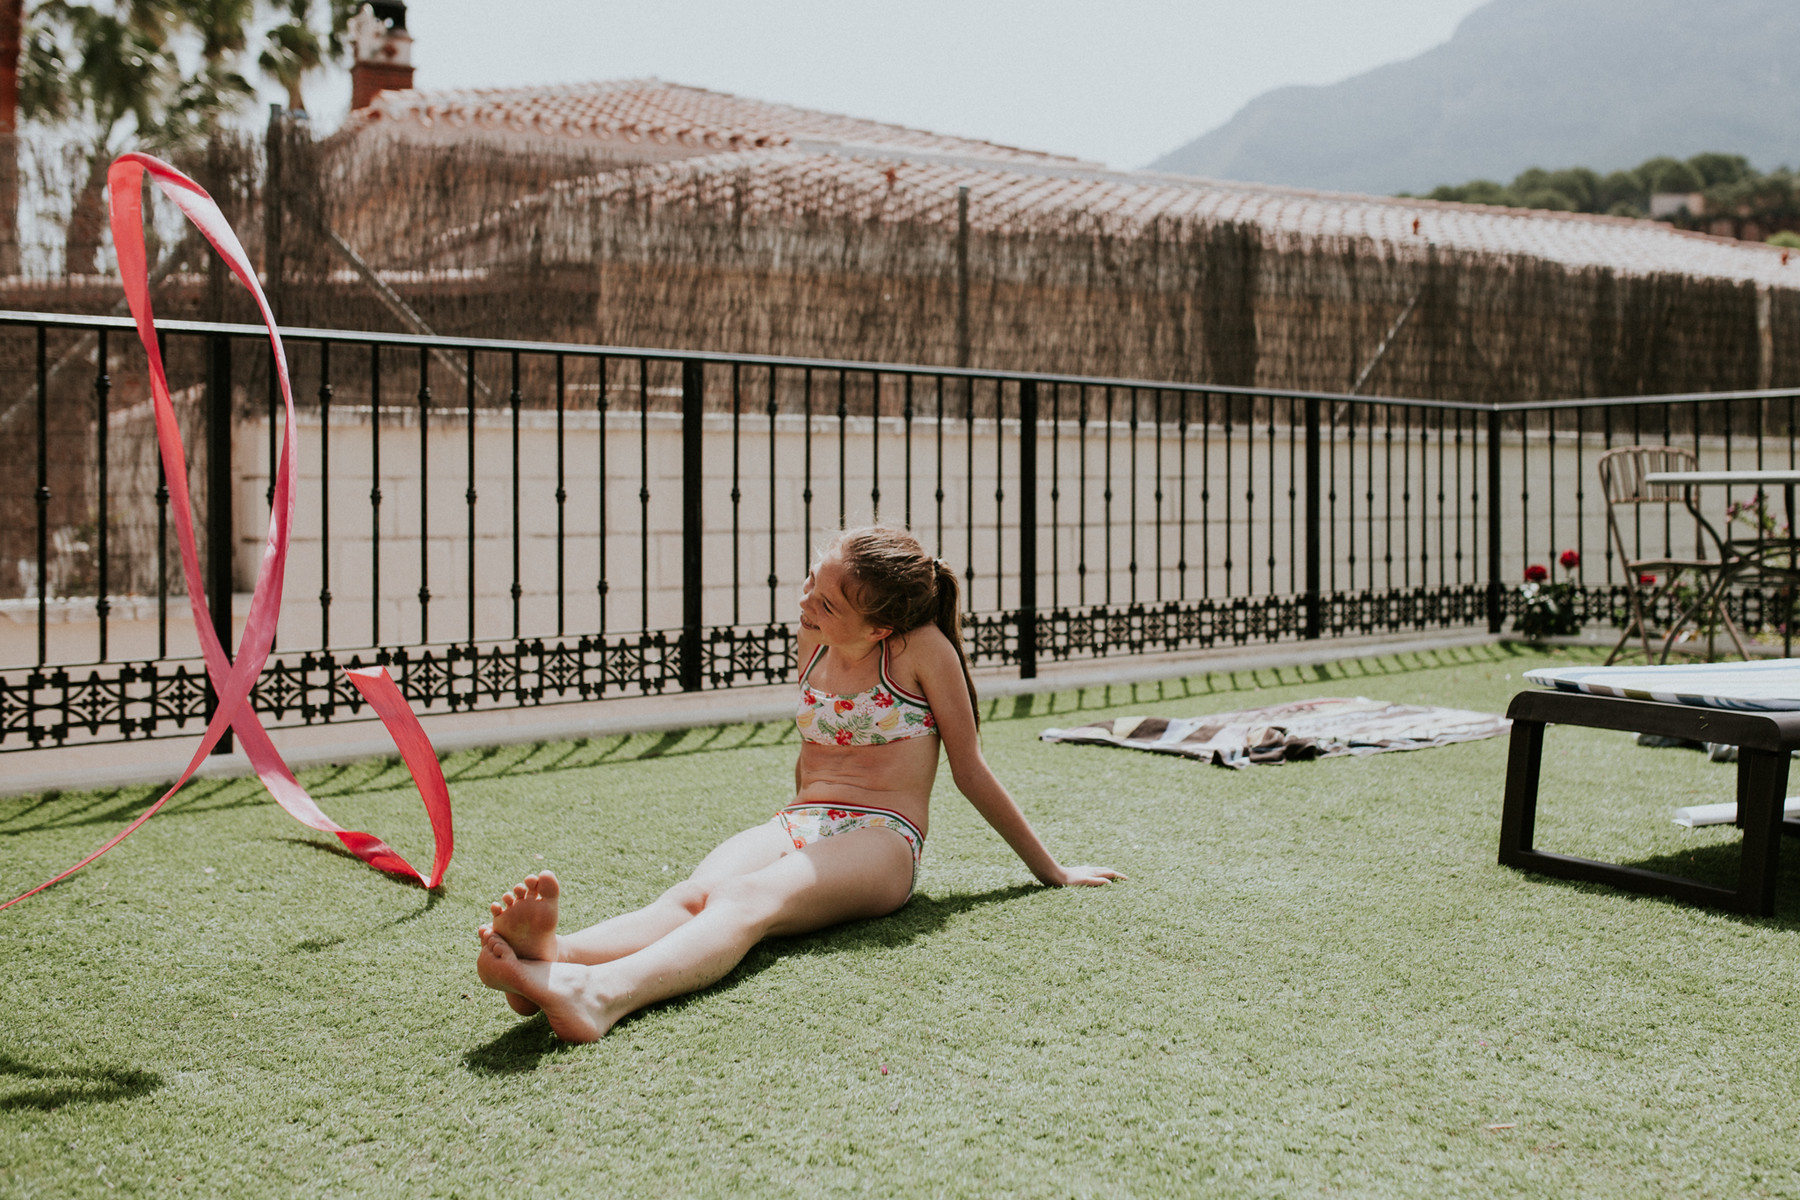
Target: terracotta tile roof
652, 113
921, 186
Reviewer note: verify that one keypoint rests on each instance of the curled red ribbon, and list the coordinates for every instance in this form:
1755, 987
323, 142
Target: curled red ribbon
231, 680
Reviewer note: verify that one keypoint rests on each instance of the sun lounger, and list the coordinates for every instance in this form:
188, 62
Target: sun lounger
1754, 706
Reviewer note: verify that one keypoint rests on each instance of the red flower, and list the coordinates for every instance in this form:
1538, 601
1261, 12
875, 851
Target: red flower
883, 700
1570, 560
844, 706
809, 697
835, 814
1537, 573
844, 736
930, 721
1646, 580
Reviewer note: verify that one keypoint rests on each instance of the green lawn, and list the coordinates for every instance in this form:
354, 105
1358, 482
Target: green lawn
1317, 980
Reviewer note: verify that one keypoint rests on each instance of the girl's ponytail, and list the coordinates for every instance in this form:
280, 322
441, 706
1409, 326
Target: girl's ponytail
949, 622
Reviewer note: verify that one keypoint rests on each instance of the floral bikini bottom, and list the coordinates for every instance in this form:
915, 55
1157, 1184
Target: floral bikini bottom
805, 824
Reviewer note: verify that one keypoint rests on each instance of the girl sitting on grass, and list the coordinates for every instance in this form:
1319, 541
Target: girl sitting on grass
883, 681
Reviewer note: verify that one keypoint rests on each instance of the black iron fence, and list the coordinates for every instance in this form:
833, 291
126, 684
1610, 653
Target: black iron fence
514, 523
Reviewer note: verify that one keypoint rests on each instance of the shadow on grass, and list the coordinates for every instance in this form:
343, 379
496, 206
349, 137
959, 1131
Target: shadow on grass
57, 1087
517, 1051
316, 944
119, 806
525, 1045
543, 758
1716, 865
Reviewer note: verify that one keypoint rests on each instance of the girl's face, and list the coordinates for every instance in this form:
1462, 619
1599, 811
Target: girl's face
826, 610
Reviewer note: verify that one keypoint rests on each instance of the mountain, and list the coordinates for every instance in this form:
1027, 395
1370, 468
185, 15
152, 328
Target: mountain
1523, 83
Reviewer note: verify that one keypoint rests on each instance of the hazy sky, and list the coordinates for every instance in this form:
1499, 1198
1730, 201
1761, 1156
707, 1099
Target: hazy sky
1121, 82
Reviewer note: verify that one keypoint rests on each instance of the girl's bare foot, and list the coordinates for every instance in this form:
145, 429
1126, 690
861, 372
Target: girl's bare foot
526, 917
565, 991
514, 1001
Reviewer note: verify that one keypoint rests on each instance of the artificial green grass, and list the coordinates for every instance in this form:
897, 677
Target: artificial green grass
1316, 980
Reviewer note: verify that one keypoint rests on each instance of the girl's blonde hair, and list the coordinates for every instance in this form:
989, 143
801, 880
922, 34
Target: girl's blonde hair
898, 585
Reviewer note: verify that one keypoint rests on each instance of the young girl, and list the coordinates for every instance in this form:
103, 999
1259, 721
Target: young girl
883, 682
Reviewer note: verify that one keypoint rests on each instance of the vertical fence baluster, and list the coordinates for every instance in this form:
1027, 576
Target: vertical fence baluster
1269, 488
806, 471
425, 496
1293, 496
103, 515
162, 531
1055, 497
968, 384
375, 495
999, 497
1387, 492
325, 497
470, 493
1313, 540
1331, 495
218, 507
1081, 519
1459, 493
643, 507
1106, 497
562, 493
602, 585
1028, 552
273, 408
1405, 498
906, 425
1350, 497
42, 498
939, 493
737, 498
875, 446
693, 513
1181, 490
513, 400
1156, 497
1439, 496
843, 465
1206, 569
774, 559
1496, 601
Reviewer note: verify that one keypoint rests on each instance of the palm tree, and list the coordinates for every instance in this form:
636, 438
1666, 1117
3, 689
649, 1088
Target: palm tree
12, 23
294, 51
107, 70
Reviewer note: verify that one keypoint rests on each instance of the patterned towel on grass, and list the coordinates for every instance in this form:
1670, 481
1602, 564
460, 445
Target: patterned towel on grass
1288, 732
1772, 685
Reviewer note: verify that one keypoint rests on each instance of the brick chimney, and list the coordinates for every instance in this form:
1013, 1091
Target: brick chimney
383, 52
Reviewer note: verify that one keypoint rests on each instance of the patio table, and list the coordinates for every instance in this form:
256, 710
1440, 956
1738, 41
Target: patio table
1786, 480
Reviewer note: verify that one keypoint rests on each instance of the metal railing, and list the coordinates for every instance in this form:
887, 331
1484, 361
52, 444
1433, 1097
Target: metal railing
515, 523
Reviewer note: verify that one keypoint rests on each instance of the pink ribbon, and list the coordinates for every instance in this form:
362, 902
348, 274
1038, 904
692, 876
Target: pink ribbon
231, 680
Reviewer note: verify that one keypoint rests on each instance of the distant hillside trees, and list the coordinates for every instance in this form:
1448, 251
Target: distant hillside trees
1737, 200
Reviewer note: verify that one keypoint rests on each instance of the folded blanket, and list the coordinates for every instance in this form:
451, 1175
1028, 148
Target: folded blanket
1301, 729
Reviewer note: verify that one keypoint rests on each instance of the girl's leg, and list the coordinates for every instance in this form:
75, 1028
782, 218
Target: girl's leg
849, 877
739, 854
526, 917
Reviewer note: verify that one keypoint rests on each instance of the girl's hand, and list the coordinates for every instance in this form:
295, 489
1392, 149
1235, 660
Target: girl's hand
1084, 877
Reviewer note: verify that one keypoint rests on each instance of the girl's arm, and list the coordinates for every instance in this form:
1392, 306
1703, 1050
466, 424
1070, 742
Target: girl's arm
941, 682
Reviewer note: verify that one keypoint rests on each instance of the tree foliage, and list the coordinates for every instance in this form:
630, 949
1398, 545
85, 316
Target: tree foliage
1737, 200
157, 75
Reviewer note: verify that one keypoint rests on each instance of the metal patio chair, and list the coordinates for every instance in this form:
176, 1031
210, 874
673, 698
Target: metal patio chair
1622, 473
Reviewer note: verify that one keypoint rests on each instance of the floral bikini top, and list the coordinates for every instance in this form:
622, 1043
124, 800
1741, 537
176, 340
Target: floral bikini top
884, 713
